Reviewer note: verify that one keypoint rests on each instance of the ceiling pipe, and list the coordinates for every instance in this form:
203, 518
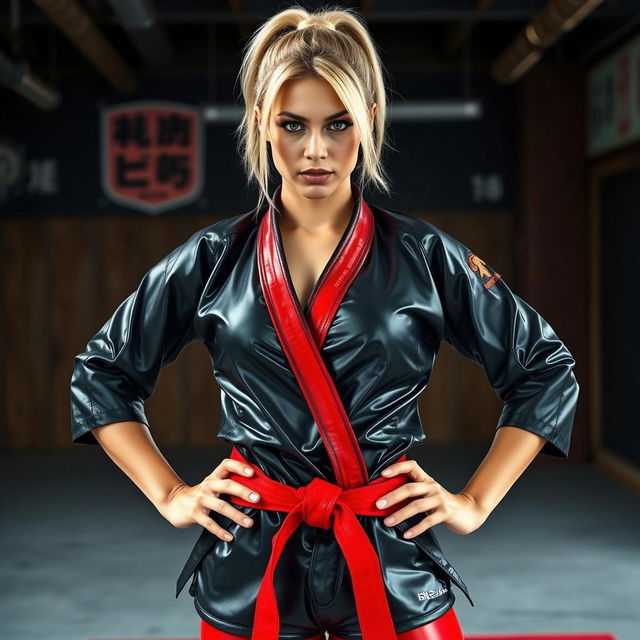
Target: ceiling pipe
555, 19
78, 26
148, 35
16, 75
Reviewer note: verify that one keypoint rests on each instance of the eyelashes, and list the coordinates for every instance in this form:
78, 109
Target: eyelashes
285, 124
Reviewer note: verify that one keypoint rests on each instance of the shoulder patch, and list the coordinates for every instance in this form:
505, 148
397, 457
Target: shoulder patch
479, 266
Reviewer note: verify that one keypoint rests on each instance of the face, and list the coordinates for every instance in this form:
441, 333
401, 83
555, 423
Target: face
309, 128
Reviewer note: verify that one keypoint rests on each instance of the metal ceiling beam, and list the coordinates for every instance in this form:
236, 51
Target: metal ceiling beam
146, 33
82, 31
549, 24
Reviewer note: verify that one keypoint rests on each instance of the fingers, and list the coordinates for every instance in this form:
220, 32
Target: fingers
427, 487
217, 483
232, 487
228, 465
424, 524
411, 467
220, 483
211, 525
405, 491
423, 505
226, 509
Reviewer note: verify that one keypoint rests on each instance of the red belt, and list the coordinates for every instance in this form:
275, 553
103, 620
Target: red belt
325, 505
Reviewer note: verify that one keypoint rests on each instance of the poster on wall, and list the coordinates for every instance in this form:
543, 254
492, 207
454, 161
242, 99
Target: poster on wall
151, 153
614, 100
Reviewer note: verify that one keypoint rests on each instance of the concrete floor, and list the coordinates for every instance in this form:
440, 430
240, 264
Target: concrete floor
83, 554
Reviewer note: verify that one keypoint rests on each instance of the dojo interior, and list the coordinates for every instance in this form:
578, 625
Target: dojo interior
516, 128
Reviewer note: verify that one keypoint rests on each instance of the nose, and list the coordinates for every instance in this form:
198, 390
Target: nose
316, 147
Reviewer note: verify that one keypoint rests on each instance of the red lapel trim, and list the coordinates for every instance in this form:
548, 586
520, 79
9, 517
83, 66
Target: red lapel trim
301, 341
344, 268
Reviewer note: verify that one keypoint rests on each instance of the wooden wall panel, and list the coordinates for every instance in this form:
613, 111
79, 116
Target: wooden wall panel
69, 273
28, 423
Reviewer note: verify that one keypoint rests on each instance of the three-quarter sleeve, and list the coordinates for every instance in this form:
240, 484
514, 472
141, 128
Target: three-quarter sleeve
526, 363
121, 363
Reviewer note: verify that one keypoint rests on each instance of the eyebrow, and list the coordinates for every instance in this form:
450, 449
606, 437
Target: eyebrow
293, 115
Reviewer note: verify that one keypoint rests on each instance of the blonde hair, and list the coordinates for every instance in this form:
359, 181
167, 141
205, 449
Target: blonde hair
331, 43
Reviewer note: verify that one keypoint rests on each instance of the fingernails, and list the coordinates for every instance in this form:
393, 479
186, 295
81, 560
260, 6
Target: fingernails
246, 520
228, 536
254, 496
248, 470
408, 534
390, 520
381, 503
386, 472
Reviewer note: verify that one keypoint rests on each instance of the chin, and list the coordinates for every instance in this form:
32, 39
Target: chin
315, 194
315, 190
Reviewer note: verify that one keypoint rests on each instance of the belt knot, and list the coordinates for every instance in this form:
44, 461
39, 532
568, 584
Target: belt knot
318, 499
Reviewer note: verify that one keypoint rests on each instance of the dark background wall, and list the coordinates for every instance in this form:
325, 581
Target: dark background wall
510, 184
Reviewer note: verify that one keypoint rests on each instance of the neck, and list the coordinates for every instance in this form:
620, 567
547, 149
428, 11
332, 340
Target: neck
316, 214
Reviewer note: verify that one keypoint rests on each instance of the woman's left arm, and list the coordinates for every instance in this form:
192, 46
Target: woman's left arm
526, 363
511, 452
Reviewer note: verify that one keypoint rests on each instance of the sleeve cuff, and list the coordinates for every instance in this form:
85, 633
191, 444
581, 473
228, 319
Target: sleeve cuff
557, 443
81, 429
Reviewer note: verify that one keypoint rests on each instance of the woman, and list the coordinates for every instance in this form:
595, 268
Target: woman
323, 316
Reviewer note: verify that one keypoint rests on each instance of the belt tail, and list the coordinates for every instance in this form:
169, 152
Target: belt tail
374, 615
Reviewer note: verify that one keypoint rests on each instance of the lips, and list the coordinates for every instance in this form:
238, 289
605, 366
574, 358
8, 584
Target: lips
315, 172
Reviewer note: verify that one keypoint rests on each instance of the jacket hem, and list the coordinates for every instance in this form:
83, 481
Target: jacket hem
240, 629
407, 624
404, 625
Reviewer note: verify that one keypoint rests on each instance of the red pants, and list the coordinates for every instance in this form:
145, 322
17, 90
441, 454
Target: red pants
446, 627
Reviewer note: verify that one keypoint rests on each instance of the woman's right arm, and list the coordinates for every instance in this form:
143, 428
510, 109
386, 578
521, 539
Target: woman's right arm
120, 365
131, 447
119, 369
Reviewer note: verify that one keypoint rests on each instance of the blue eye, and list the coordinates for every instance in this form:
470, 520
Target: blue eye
286, 124
346, 124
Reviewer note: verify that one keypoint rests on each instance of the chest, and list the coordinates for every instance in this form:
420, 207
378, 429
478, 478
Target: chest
390, 317
307, 255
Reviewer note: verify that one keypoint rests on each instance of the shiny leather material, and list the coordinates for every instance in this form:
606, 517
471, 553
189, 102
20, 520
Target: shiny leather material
416, 287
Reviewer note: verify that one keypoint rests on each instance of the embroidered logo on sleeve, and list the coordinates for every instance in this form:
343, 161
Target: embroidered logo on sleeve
479, 266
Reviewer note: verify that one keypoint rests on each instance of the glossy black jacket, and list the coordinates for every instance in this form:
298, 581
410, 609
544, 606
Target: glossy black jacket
417, 287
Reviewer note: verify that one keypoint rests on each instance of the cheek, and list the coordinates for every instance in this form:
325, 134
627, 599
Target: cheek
283, 149
349, 146
348, 153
